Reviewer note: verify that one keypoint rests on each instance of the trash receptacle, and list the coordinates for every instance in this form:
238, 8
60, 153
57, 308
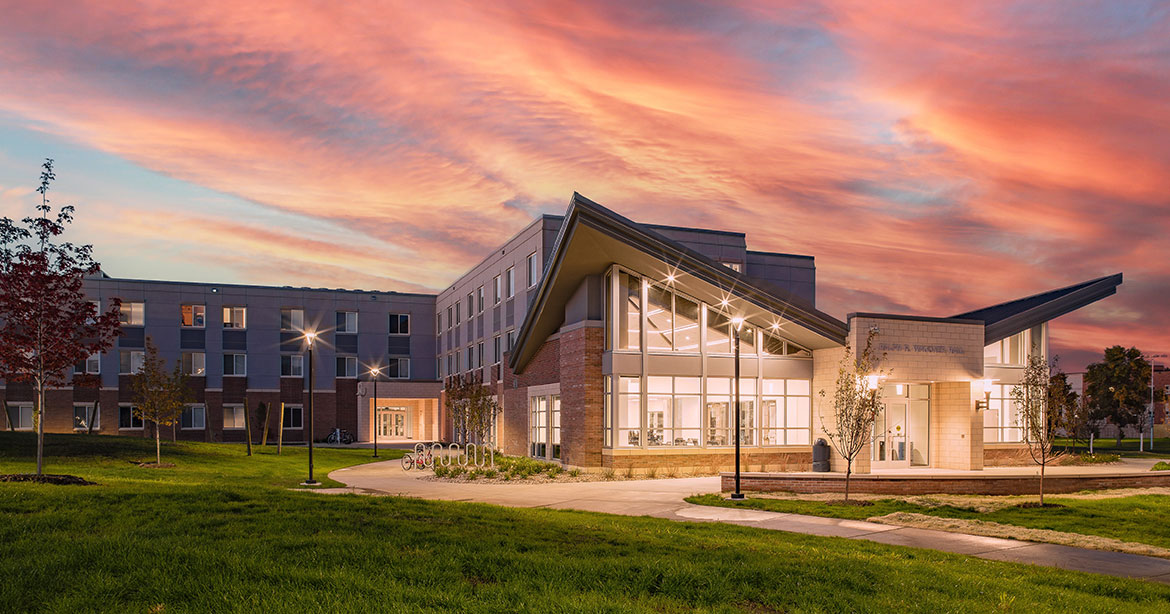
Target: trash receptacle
821, 456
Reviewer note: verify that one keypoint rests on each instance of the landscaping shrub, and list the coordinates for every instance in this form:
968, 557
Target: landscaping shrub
1161, 466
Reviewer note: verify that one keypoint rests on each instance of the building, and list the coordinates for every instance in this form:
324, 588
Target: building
244, 346
609, 344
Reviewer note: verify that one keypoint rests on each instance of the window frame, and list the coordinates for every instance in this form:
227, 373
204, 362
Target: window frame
497, 289
235, 354
510, 282
349, 360
141, 354
191, 372
131, 314
400, 317
234, 407
229, 320
129, 407
396, 364
96, 367
20, 407
532, 264
201, 307
293, 312
344, 318
189, 410
299, 360
97, 416
299, 413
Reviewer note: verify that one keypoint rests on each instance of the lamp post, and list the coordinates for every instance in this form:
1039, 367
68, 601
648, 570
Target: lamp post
737, 323
1151, 358
310, 337
376, 372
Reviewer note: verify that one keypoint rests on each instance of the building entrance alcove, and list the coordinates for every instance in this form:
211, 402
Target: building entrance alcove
901, 432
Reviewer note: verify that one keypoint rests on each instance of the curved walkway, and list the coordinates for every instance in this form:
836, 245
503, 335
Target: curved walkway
664, 499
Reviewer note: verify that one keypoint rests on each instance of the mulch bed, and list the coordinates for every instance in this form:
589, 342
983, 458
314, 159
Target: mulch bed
48, 478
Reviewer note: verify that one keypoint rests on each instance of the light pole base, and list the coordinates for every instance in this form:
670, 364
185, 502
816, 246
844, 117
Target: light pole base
737, 496
310, 483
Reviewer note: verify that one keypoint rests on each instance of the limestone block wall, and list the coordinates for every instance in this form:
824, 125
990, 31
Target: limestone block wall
923, 349
956, 437
825, 366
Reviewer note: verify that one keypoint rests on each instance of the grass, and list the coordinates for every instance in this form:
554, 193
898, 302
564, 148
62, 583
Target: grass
1139, 518
222, 533
1128, 447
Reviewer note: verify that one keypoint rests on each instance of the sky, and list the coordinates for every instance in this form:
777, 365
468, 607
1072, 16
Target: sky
935, 157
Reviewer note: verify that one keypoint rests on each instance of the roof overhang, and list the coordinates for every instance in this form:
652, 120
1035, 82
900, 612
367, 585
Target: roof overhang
592, 238
1007, 319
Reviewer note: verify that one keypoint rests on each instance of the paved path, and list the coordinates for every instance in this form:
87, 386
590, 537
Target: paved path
664, 499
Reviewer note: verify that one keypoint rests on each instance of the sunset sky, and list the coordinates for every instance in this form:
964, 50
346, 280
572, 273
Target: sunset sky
934, 157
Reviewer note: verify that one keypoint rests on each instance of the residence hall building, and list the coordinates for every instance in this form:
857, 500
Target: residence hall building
608, 343
244, 346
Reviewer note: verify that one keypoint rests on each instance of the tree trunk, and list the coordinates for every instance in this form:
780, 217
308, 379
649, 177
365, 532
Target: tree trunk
1118, 436
40, 414
89, 420
848, 473
157, 444
8, 414
1041, 482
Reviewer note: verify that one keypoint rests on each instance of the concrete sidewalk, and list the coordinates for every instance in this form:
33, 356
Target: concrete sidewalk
664, 499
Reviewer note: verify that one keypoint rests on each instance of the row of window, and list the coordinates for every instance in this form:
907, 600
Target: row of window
651, 316
683, 412
474, 356
236, 317
195, 364
194, 417
503, 286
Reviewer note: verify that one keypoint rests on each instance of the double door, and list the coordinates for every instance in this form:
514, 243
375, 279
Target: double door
392, 423
901, 432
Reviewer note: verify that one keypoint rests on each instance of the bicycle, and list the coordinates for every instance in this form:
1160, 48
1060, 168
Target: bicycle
420, 459
340, 436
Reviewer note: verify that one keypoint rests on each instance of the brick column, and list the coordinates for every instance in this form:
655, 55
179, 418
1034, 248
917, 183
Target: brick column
581, 396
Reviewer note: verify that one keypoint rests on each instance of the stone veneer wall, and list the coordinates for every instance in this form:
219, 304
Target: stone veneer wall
956, 429
825, 366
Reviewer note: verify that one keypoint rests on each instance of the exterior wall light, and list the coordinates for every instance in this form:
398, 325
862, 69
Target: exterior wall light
871, 382
983, 404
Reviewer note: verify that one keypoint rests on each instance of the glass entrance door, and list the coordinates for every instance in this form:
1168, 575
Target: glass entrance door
901, 430
391, 423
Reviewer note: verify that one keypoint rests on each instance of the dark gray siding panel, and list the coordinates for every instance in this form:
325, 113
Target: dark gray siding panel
235, 340
398, 346
192, 339
346, 344
132, 338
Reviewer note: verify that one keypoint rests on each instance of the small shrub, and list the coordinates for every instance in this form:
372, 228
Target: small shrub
629, 473
456, 471
553, 471
608, 474
489, 473
441, 471
574, 473
672, 473
652, 473
1161, 466
473, 474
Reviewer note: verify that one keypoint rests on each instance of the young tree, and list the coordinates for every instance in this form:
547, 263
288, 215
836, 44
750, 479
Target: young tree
857, 402
473, 409
46, 322
160, 394
1118, 387
1038, 402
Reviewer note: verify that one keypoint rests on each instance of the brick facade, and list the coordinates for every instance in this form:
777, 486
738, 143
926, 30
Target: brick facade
581, 396
899, 485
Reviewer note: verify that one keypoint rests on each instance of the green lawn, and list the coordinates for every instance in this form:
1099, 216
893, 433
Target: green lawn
222, 533
1128, 447
1139, 518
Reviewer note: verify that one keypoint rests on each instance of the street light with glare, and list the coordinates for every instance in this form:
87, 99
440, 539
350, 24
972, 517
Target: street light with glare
375, 372
737, 324
310, 337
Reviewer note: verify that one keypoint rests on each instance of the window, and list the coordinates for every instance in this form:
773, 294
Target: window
194, 363
533, 269
1010, 351
629, 312
511, 340
718, 332
89, 366
686, 325
479, 298
785, 412
400, 323
497, 349
127, 418
720, 411
1001, 420
510, 282
450, 318
132, 314
398, 368
233, 417
673, 411
734, 266
497, 294
347, 322
479, 354
347, 366
235, 317
470, 304
292, 365
82, 414
607, 411
130, 362
235, 364
471, 357
458, 312
21, 415
659, 319
293, 417
193, 418
292, 319
545, 426
193, 316
629, 412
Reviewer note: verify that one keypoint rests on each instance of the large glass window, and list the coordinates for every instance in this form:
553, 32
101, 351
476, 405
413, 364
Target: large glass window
1010, 351
673, 411
629, 312
686, 325
1001, 420
629, 412
785, 412
659, 319
718, 332
720, 412
544, 423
